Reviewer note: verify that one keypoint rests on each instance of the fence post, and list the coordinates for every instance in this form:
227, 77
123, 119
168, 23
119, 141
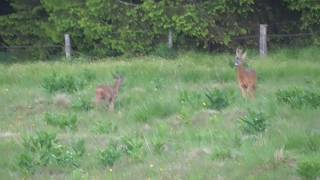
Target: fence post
263, 49
67, 47
170, 42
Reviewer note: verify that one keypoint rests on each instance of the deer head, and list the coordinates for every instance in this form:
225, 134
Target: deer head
240, 57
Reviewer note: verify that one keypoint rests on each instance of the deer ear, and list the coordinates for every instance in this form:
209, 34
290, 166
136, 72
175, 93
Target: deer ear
244, 55
237, 52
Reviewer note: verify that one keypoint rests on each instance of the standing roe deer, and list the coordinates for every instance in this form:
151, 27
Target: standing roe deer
247, 78
107, 94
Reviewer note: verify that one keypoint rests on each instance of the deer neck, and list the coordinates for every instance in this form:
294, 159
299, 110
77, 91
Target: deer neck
116, 86
240, 69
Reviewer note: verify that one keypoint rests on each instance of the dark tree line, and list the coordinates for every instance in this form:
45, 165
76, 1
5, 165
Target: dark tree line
114, 27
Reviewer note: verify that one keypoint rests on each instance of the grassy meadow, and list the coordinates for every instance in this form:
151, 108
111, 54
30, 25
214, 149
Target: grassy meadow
174, 119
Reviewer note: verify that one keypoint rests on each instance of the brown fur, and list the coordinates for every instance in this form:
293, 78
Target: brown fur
247, 78
107, 94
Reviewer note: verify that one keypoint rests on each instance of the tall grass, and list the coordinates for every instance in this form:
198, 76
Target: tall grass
164, 126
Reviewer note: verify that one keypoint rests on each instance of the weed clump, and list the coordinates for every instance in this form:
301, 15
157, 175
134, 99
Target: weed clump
309, 168
102, 127
110, 155
254, 122
217, 99
61, 121
299, 98
82, 104
44, 149
133, 147
67, 83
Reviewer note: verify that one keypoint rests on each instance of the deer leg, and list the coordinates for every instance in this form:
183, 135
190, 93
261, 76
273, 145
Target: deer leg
252, 92
98, 102
243, 92
111, 107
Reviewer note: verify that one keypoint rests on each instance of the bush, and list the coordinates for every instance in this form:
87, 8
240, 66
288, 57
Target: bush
62, 121
67, 83
158, 144
82, 104
165, 52
221, 153
103, 127
192, 99
63, 83
217, 99
309, 168
299, 98
254, 122
110, 155
44, 149
133, 146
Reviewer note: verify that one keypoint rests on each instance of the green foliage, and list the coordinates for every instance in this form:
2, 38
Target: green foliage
312, 142
110, 155
82, 104
299, 98
112, 28
152, 109
254, 122
133, 146
62, 121
192, 99
165, 52
67, 83
309, 168
221, 153
102, 127
217, 99
44, 149
64, 83
158, 144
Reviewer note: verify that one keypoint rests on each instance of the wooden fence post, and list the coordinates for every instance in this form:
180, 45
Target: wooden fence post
170, 41
263, 49
67, 47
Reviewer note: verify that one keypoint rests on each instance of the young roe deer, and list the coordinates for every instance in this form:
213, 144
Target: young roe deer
247, 78
107, 95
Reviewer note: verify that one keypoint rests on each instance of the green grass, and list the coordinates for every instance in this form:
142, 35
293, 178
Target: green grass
163, 126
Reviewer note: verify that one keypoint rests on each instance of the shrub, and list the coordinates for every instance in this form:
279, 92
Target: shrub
110, 155
221, 153
165, 52
133, 146
63, 83
299, 98
309, 168
192, 99
82, 104
217, 99
62, 121
44, 149
67, 83
254, 122
158, 144
103, 127
313, 142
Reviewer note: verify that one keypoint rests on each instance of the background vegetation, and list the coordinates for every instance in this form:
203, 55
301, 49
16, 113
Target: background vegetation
174, 119
115, 27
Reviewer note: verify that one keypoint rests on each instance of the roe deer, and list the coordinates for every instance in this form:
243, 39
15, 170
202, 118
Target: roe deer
247, 78
107, 94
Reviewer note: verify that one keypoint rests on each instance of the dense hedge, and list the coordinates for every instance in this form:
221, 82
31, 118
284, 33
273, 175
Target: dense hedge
113, 27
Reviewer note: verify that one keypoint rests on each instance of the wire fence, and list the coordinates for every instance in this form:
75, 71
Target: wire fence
254, 38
